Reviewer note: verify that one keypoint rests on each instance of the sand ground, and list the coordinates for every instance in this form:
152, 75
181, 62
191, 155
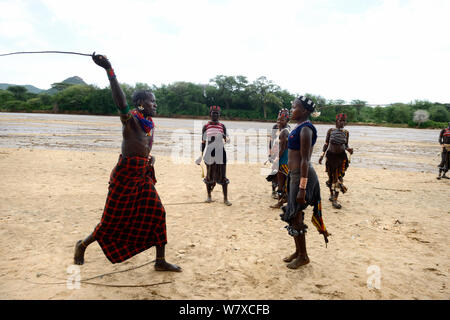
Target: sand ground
393, 227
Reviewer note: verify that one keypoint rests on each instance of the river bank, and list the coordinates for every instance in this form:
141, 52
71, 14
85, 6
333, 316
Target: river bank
206, 118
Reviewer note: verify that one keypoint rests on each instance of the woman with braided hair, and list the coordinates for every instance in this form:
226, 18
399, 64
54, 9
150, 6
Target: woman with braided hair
303, 184
134, 218
281, 160
444, 141
214, 134
273, 154
336, 143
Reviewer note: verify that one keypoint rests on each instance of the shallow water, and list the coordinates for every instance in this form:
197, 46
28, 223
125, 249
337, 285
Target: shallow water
374, 147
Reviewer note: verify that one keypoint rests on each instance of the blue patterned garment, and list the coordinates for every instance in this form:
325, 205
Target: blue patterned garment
294, 136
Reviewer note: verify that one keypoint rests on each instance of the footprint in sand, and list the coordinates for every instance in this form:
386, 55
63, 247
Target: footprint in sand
435, 271
411, 235
419, 240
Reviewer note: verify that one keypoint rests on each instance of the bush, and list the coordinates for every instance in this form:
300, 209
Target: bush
398, 114
439, 114
5, 96
34, 103
16, 105
430, 124
74, 98
46, 99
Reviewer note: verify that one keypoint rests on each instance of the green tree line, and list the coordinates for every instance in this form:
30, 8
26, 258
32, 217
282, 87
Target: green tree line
238, 98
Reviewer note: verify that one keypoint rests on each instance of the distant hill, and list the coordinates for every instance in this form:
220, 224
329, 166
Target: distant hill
72, 80
30, 88
33, 89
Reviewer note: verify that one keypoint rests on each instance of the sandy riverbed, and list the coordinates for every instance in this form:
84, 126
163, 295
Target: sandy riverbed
395, 222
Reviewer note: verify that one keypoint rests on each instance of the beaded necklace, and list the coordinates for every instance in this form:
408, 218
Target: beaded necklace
146, 124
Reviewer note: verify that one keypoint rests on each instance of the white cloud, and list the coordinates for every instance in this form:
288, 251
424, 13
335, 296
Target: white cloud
394, 51
12, 22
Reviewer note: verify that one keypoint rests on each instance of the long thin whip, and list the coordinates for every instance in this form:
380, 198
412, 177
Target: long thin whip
86, 281
64, 52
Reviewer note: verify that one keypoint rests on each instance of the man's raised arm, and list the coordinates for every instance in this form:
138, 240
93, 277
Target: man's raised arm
117, 93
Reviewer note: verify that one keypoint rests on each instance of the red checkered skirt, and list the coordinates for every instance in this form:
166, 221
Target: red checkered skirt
134, 218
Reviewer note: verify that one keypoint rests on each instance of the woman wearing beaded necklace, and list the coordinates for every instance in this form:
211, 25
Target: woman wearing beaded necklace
134, 218
336, 143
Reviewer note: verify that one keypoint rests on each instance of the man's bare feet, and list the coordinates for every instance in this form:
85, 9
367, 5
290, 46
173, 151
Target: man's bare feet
208, 200
163, 265
291, 257
79, 253
299, 261
228, 203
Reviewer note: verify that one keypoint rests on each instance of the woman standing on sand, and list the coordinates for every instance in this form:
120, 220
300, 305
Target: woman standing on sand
336, 143
303, 187
280, 163
134, 218
214, 134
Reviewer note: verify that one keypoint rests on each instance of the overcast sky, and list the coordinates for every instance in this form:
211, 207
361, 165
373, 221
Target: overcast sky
379, 51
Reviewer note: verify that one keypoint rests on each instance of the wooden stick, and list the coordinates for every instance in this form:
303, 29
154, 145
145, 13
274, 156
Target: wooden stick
27, 52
